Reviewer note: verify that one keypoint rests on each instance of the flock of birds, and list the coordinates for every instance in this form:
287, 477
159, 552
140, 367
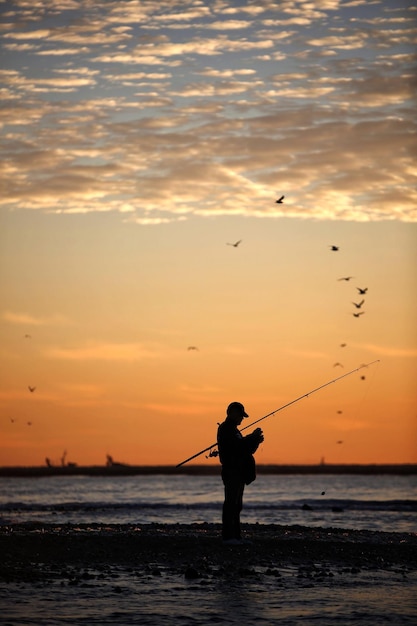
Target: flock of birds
362, 291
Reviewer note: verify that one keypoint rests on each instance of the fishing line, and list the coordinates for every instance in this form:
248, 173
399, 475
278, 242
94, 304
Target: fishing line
281, 408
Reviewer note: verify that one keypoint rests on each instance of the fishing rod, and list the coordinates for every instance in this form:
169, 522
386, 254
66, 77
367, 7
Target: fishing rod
281, 408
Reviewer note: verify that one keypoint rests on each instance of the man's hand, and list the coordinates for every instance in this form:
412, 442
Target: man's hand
258, 435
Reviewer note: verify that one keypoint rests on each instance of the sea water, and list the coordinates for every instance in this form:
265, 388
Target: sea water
358, 502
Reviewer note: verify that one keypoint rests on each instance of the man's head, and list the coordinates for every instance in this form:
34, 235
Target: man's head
236, 412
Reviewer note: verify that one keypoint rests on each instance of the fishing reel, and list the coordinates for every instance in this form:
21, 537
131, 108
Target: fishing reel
212, 453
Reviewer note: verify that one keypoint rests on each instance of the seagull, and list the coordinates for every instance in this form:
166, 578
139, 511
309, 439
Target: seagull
334, 248
31, 389
235, 245
358, 304
12, 420
338, 365
29, 423
339, 412
361, 291
279, 201
339, 441
343, 345
363, 377
192, 348
346, 278
28, 336
358, 314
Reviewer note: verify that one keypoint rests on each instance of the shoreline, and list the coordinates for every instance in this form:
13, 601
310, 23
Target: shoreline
162, 574
28, 544
405, 469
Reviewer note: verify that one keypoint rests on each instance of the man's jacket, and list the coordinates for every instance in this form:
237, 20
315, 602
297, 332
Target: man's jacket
236, 452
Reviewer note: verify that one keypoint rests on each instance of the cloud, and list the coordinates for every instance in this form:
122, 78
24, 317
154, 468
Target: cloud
391, 351
26, 319
169, 124
128, 352
308, 354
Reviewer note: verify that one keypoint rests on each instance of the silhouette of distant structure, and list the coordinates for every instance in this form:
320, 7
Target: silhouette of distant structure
111, 463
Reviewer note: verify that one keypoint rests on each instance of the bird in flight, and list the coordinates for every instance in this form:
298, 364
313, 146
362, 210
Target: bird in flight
358, 304
343, 345
337, 365
31, 389
334, 248
235, 245
361, 291
339, 441
12, 420
29, 423
28, 336
358, 314
347, 278
192, 348
280, 200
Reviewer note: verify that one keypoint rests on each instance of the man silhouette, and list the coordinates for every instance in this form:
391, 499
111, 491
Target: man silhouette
238, 468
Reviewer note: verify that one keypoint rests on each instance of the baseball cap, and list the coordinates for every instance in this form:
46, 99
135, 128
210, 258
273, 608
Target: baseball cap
236, 406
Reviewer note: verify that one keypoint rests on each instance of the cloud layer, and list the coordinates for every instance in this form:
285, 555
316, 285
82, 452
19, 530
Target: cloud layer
160, 110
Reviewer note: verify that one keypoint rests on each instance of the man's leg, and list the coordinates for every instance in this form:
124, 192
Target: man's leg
232, 506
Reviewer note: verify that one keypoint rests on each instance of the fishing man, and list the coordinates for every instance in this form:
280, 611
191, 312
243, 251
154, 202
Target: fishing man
238, 469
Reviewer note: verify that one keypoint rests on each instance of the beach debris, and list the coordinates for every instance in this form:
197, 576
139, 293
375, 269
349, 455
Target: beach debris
191, 573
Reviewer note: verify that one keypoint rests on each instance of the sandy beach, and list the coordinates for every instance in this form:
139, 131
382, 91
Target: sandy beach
183, 574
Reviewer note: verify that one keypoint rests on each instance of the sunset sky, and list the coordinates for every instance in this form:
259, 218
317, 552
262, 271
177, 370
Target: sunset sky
139, 139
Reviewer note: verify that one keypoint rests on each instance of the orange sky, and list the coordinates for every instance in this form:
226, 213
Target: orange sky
140, 140
110, 330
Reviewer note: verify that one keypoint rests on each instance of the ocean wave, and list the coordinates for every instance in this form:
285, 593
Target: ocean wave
334, 505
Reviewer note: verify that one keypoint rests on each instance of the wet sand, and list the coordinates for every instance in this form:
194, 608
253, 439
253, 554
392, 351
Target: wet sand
183, 574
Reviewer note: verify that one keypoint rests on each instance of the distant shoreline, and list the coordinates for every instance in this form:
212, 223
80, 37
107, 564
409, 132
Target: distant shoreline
406, 469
